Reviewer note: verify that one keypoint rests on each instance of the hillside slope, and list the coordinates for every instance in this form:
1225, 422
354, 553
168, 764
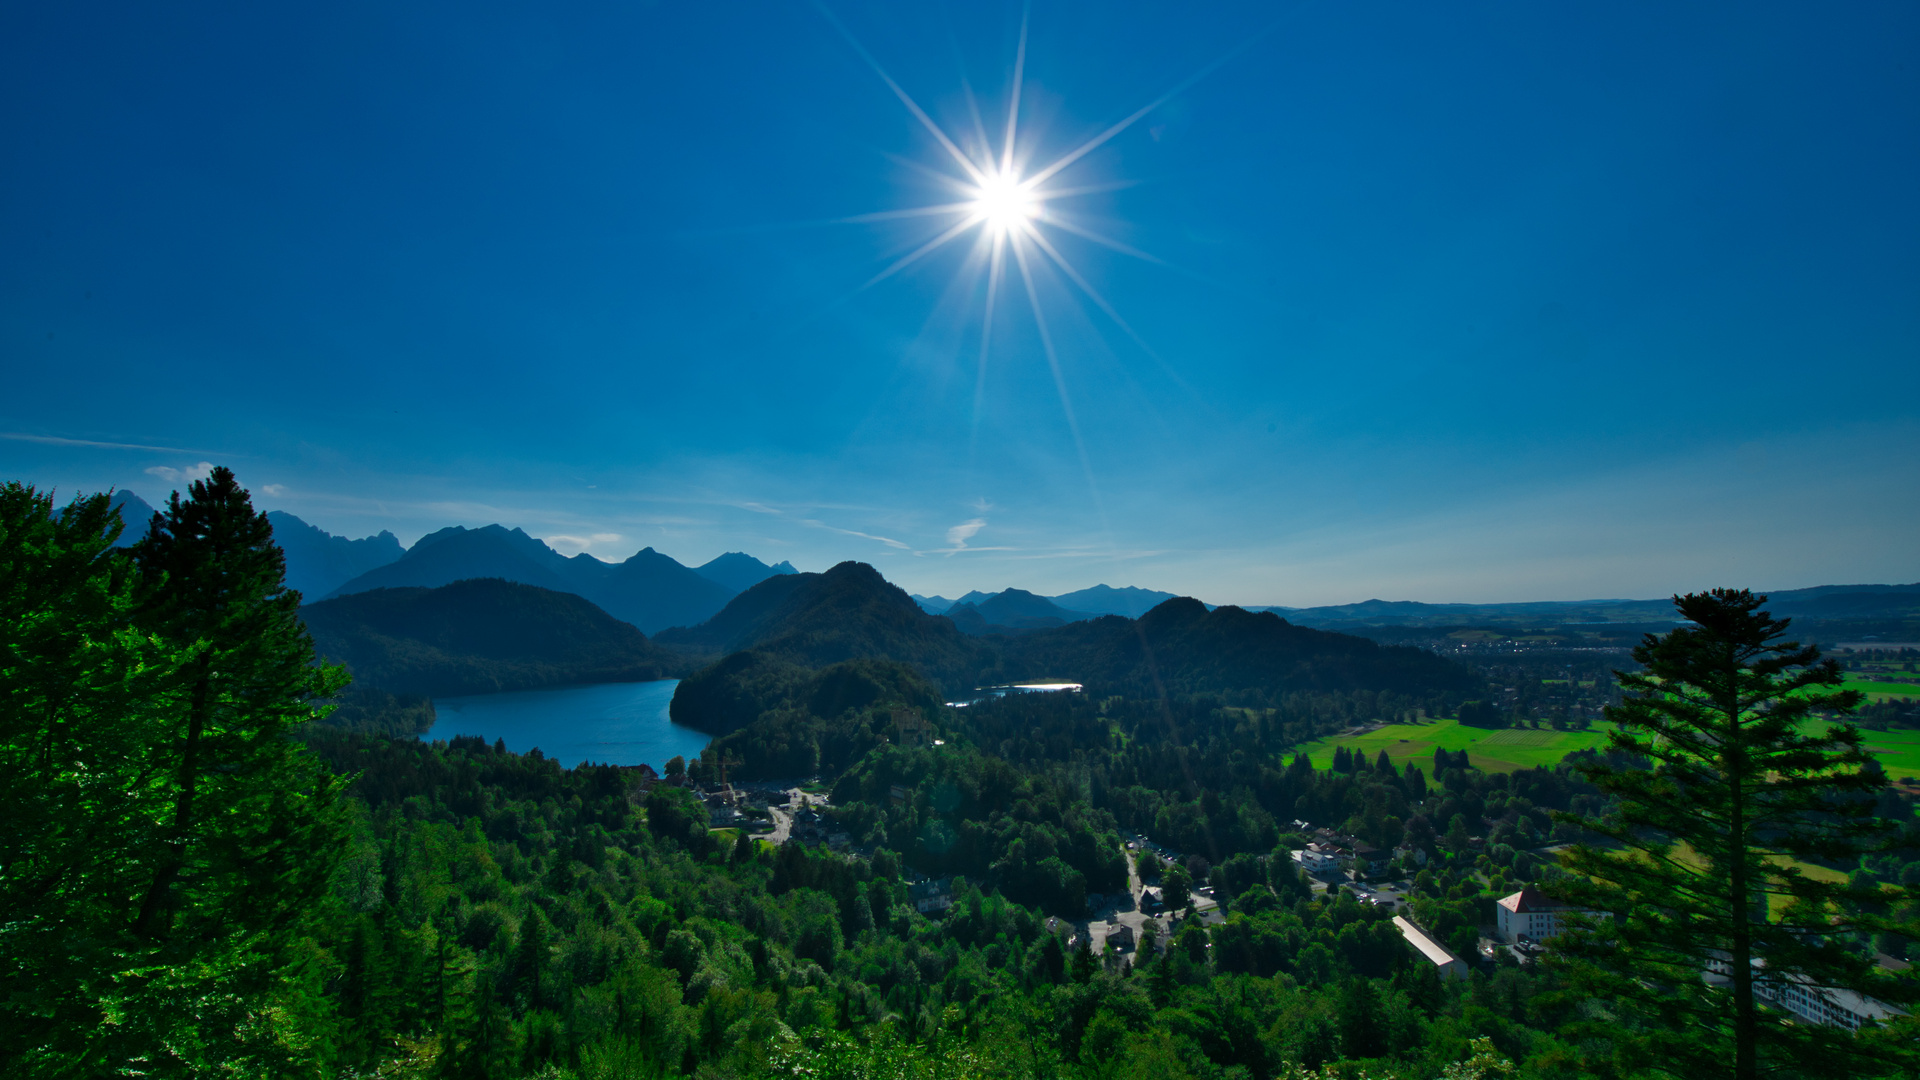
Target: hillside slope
479, 636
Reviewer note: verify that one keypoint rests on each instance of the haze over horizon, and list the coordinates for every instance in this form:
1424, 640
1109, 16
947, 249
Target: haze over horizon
1478, 305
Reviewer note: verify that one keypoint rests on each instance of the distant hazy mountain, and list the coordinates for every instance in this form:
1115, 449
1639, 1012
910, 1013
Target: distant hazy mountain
650, 590
1131, 601
457, 553
1847, 601
1010, 611
739, 571
319, 562
134, 513
1181, 647
1819, 602
478, 636
932, 605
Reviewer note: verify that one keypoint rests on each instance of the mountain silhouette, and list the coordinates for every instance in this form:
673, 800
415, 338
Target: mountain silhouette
1181, 647
739, 571
650, 590
847, 613
1011, 611
1131, 601
319, 562
479, 636
135, 514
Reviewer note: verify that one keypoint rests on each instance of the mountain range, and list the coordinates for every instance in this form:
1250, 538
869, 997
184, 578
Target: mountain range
1130, 601
650, 590
654, 591
319, 562
1013, 611
1820, 602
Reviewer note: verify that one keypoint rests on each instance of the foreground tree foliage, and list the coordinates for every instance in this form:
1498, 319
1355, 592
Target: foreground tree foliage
166, 841
189, 887
1703, 873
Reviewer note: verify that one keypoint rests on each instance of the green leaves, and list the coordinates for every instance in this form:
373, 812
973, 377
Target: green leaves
161, 837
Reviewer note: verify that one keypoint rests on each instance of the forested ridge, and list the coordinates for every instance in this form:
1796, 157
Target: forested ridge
209, 874
479, 636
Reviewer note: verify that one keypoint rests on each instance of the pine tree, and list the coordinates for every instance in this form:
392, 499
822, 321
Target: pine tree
1747, 774
253, 825
82, 698
247, 801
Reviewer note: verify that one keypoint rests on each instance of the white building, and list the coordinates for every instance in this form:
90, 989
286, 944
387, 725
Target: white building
1449, 965
1531, 914
1832, 1006
1319, 858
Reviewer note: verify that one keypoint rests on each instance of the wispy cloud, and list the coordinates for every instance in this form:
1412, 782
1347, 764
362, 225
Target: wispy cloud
55, 440
182, 476
816, 523
957, 538
887, 540
574, 545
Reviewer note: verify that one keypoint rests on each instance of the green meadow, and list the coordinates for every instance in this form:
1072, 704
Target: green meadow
1880, 691
1898, 750
1495, 750
1508, 749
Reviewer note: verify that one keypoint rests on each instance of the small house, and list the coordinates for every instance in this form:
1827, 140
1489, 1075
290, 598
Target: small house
928, 897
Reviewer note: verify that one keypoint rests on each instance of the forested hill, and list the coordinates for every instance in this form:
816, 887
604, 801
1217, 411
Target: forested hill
847, 613
1180, 647
815, 663
479, 636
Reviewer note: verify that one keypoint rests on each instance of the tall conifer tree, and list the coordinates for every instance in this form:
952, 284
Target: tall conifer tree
1749, 772
82, 699
253, 824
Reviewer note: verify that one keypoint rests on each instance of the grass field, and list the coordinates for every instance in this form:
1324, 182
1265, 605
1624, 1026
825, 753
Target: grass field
1898, 750
1497, 750
1880, 691
1508, 749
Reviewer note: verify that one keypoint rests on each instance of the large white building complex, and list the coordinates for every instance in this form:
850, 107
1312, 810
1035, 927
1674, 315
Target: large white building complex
1449, 965
1531, 914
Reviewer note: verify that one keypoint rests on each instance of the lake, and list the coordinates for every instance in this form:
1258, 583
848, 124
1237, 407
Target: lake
609, 723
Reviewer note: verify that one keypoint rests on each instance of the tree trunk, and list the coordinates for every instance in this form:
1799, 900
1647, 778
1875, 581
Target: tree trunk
153, 916
1746, 1064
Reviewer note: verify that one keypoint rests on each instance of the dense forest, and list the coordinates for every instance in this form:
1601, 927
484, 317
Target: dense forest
220, 860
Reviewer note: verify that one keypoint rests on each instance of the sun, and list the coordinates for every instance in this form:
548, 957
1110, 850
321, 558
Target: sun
1013, 216
1004, 203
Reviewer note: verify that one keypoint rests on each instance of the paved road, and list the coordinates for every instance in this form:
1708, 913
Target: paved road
1114, 916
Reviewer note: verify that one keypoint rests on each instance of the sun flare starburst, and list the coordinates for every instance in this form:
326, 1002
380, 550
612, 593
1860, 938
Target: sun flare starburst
1008, 211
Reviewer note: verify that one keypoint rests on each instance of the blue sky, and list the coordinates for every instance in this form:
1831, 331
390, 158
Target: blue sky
1495, 301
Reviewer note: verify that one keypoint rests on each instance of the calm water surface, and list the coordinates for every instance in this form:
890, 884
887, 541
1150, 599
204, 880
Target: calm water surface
610, 723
